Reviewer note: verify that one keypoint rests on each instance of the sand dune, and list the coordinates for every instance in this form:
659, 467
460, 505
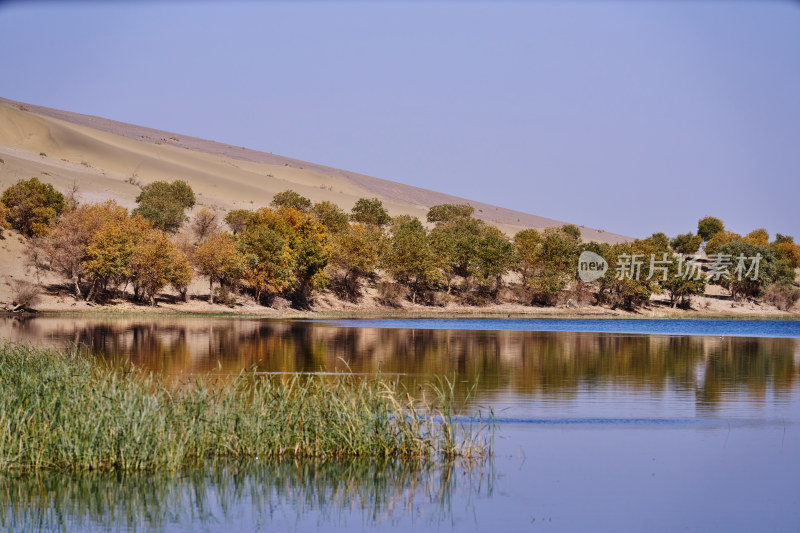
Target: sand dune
108, 158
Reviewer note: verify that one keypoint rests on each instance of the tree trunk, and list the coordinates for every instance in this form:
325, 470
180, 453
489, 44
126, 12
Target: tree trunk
76, 281
91, 291
210, 291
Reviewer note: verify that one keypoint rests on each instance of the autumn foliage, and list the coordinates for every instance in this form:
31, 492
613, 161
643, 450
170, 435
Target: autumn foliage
296, 248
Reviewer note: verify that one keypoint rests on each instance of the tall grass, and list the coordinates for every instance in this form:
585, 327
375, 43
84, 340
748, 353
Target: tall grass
65, 412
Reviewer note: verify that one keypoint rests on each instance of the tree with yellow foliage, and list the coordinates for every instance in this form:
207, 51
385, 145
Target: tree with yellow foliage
285, 251
153, 264
356, 253
66, 245
720, 239
110, 251
182, 273
759, 237
787, 250
264, 244
218, 259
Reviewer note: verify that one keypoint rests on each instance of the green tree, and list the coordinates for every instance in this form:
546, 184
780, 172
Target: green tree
164, 204
528, 242
630, 281
736, 272
547, 262
31, 206
411, 259
707, 227
496, 256
456, 244
684, 280
290, 198
686, 243
332, 216
370, 211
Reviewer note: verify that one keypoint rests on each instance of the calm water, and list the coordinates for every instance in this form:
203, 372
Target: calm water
620, 425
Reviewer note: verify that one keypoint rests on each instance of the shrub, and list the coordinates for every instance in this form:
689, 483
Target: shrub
390, 294
782, 296
24, 294
204, 224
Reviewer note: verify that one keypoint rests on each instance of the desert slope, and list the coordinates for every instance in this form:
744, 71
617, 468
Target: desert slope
107, 159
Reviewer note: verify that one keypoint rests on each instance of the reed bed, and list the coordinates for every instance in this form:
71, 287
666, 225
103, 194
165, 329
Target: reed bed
63, 411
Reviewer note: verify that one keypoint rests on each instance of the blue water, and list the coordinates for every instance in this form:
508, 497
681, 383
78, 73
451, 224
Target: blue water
600, 425
724, 328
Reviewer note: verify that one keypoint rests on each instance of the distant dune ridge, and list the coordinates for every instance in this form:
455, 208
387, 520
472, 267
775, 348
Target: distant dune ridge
110, 160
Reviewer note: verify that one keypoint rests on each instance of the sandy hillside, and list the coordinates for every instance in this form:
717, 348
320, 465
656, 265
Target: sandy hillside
112, 160
107, 159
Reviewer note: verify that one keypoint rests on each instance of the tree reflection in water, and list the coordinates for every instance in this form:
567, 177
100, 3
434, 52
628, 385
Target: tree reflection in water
523, 363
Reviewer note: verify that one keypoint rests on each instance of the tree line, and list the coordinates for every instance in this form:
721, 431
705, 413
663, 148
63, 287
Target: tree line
293, 248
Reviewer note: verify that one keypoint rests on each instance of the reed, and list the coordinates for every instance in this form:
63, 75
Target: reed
63, 411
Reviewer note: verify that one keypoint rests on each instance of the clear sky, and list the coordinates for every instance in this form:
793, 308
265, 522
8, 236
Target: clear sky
629, 116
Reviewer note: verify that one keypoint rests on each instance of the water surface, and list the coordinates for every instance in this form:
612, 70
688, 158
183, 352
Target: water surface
612, 430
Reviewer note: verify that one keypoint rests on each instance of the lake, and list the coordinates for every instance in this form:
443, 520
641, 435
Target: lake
601, 425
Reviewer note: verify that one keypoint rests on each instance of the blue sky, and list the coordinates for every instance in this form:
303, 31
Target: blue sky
633, 117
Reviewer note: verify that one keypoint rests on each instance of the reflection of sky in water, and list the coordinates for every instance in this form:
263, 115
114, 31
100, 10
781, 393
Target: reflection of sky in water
599, 431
